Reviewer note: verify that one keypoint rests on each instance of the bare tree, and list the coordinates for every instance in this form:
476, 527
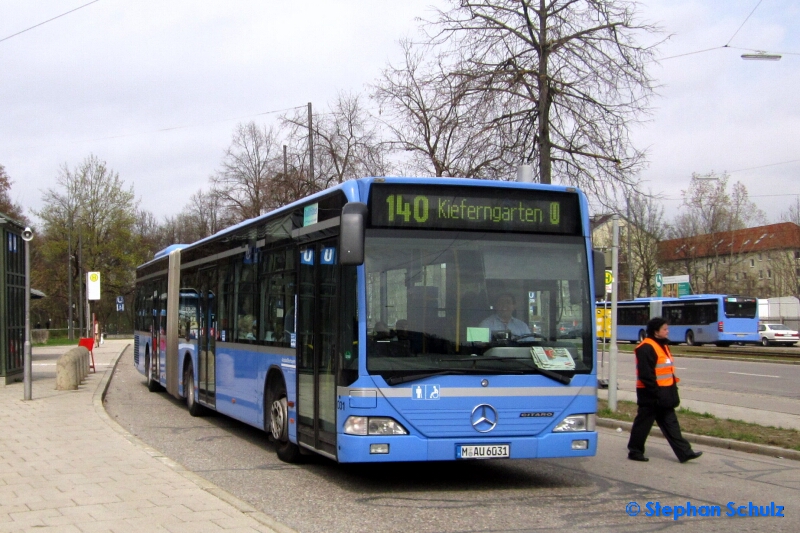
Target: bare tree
437, 117
242, 183
148, 230
793, 213
708, 212
573, 68
204, 215
647, 228
784, 262
347, 144
7, 205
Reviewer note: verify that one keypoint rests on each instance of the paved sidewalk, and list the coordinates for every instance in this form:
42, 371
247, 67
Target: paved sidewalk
66, 466
724, 405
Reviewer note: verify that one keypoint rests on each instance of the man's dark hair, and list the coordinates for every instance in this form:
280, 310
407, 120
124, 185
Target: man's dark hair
655, 325
506, 295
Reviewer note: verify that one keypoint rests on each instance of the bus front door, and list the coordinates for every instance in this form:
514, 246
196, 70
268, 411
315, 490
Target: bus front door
317, 327
206, 338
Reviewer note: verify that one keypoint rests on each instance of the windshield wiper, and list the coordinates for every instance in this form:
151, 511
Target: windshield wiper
543, 371
396, 380
554, 375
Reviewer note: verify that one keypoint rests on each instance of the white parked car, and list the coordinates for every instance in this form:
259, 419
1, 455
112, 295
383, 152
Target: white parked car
777, 334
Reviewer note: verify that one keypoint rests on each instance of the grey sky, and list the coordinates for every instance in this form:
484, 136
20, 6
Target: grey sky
109, 78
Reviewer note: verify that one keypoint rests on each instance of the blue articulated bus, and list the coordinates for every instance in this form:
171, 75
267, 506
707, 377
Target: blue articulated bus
696, 319
358, 323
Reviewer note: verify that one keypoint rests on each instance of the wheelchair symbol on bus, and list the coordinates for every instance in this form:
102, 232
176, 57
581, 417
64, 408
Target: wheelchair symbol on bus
425, 392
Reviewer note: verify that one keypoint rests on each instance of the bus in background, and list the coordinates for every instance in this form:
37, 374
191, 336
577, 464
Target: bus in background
358, 323
695, 319
603, 320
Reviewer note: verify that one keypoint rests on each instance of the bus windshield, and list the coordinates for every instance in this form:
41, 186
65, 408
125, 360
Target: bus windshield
741, 307
473, 302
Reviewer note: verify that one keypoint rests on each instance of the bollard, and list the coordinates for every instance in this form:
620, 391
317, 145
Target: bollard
76, 360
79, 362
84, 363
66, 372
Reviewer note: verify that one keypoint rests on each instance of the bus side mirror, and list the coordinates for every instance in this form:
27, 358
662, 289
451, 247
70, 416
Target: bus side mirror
351, 234
599, 261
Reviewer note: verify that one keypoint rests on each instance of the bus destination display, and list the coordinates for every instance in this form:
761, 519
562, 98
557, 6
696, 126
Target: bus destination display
474, 208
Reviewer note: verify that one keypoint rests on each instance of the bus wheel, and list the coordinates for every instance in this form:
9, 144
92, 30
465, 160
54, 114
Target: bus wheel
642, 335
690, 338
195, 409
152, 384
287, 451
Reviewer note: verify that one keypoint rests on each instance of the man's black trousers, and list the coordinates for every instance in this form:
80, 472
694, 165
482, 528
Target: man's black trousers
667, 421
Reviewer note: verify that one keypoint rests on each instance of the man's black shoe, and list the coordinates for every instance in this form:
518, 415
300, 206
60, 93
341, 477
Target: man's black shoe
693, 455
637, 457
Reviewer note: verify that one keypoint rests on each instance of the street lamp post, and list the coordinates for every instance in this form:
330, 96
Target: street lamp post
27, 235
70, 326
80, 282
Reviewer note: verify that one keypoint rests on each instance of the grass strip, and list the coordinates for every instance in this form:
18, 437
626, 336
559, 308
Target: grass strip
683, 351
707, 424
57, 342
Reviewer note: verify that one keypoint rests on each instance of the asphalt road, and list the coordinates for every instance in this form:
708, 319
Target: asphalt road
770, 379
478, 496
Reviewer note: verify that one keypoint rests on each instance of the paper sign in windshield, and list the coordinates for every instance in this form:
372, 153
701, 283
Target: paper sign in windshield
552, 358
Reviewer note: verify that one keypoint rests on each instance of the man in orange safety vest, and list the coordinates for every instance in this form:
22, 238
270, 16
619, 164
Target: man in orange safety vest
657, 395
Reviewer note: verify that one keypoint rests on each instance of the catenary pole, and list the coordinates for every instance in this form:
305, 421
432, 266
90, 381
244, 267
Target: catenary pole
70, 332
310, 145
612, 349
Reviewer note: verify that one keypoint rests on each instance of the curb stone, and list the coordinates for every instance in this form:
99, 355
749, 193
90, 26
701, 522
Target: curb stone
717, 442
245, 508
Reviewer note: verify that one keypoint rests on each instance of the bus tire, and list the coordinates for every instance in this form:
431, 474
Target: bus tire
690, 338
287, 451
152, 384
642, 335
195, 409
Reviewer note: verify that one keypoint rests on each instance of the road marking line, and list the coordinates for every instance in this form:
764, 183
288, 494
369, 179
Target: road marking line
757, 375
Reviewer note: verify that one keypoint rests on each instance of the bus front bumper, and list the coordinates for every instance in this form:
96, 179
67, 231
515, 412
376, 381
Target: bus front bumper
396, 448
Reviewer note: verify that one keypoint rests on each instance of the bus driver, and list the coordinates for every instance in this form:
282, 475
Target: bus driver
502, 319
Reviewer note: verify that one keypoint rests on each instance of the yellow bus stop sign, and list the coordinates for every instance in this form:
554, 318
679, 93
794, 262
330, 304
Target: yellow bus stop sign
609, 281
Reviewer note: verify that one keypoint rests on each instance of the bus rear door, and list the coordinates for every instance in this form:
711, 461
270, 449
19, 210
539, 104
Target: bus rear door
206, 339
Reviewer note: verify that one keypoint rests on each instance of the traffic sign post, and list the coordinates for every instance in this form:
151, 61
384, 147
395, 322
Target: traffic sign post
659, 282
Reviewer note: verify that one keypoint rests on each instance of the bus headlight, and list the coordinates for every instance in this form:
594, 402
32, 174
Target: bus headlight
373, 425
576, 423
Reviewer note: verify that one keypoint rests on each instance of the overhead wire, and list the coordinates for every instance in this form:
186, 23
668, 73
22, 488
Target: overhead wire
172, 128
743, 23
49, 20
728, 44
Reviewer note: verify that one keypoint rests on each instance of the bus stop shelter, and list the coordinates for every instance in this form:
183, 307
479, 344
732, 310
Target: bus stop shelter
12, 300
